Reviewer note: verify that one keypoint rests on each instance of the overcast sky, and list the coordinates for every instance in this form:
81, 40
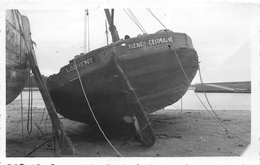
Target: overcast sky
221, 34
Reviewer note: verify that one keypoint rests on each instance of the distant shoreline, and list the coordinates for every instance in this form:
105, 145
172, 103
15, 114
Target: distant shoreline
224, 87
33, 89
198, 90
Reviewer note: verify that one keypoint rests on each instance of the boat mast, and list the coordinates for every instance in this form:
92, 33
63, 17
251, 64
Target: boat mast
112, 28
106, 31
86, 32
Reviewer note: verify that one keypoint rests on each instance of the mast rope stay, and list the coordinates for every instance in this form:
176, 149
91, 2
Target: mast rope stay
86, 98
16, 14
36, 73
150, 11
30, 104
134, 19
215, 118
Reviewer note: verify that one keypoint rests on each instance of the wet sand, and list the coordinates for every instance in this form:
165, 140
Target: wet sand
188, 133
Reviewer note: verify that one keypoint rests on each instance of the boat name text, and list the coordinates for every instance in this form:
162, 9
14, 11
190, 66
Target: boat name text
150, 42
80, 64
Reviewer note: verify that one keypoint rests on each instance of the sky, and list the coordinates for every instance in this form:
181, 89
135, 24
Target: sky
221, 33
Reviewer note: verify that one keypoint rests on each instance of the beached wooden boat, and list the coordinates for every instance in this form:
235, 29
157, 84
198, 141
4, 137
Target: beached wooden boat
159, 67
17, 48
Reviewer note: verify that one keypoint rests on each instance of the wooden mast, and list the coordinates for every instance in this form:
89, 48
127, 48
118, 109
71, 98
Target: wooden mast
86, 32
106, 32
112, 27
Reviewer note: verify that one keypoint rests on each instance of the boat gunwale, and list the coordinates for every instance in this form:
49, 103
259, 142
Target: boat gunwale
166, 33
100, 66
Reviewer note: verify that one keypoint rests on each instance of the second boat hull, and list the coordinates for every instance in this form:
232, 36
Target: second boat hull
17, 64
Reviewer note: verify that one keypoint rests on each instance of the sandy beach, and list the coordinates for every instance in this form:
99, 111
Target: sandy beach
193, 133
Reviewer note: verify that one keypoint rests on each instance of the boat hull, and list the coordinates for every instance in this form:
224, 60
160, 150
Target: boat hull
157, 78
17, 64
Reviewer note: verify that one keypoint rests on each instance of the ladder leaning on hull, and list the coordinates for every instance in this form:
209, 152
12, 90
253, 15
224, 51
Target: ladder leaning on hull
65, 144
142, 124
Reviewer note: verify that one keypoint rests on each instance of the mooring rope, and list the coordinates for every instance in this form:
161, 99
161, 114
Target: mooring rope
41, 119
30, 99
181, 109
21, 95
139, 132
21, 80
30, 52
217, 118
212, 107
223, 124
107, 53
86, 98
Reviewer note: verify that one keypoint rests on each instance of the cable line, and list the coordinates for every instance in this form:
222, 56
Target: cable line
217, 118
132, 14
30, 101
16, 14
83, 90
150, 11
134, 19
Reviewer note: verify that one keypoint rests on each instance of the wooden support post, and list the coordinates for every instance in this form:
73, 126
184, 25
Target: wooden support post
64, 142
145, 132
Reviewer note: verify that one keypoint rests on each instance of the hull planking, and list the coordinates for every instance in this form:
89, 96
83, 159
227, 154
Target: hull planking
17, 64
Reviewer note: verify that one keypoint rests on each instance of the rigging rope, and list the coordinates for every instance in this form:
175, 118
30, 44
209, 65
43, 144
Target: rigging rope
83, 90
41, 119
31, 53
181, 109
29, 120
212, 107
21, 94
217, 118
135, 20
150, 11
21, 80
45, 123
29, 50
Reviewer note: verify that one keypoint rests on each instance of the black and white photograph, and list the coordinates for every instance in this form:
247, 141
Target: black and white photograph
129, 82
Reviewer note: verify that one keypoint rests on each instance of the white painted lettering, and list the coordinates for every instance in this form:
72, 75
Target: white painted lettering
150, 42
170, 39
79, 65
90, 59
67, 70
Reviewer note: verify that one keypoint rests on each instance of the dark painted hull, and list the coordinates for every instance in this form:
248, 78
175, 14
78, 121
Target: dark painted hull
17, 64
156, 77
